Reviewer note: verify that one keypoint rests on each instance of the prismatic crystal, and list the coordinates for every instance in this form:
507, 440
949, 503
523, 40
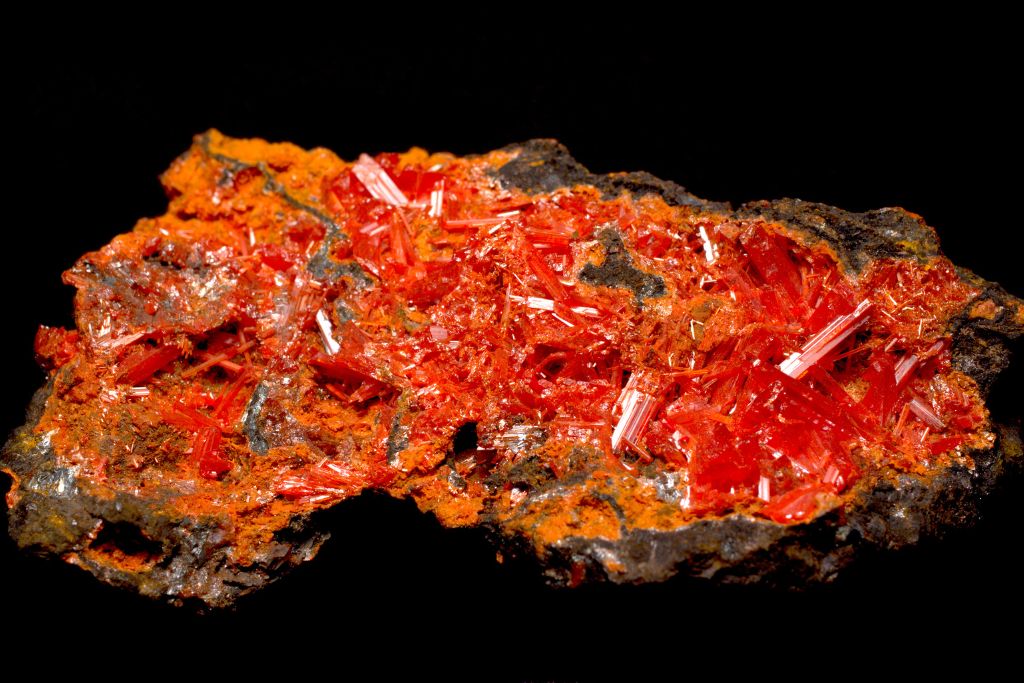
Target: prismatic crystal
642, 382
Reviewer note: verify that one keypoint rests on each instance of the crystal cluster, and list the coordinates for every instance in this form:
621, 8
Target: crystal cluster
566, 363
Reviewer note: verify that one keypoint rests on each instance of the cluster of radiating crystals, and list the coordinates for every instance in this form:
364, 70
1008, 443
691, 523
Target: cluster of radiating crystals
304, 328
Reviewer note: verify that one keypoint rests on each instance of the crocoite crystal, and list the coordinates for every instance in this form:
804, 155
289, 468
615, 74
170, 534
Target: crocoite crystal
584, 364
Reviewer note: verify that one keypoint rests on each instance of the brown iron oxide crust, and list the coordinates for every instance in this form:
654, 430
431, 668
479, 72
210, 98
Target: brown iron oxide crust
147, 544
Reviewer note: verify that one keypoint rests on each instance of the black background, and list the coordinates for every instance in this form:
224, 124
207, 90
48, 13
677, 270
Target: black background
898, 115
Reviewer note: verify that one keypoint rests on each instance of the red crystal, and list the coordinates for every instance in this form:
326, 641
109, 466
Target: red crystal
206, 452
142, 365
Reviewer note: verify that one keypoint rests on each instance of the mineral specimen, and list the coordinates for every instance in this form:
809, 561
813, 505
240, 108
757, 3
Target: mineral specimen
610, 375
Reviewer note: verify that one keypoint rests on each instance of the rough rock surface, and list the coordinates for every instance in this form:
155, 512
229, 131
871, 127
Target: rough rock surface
508, 340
